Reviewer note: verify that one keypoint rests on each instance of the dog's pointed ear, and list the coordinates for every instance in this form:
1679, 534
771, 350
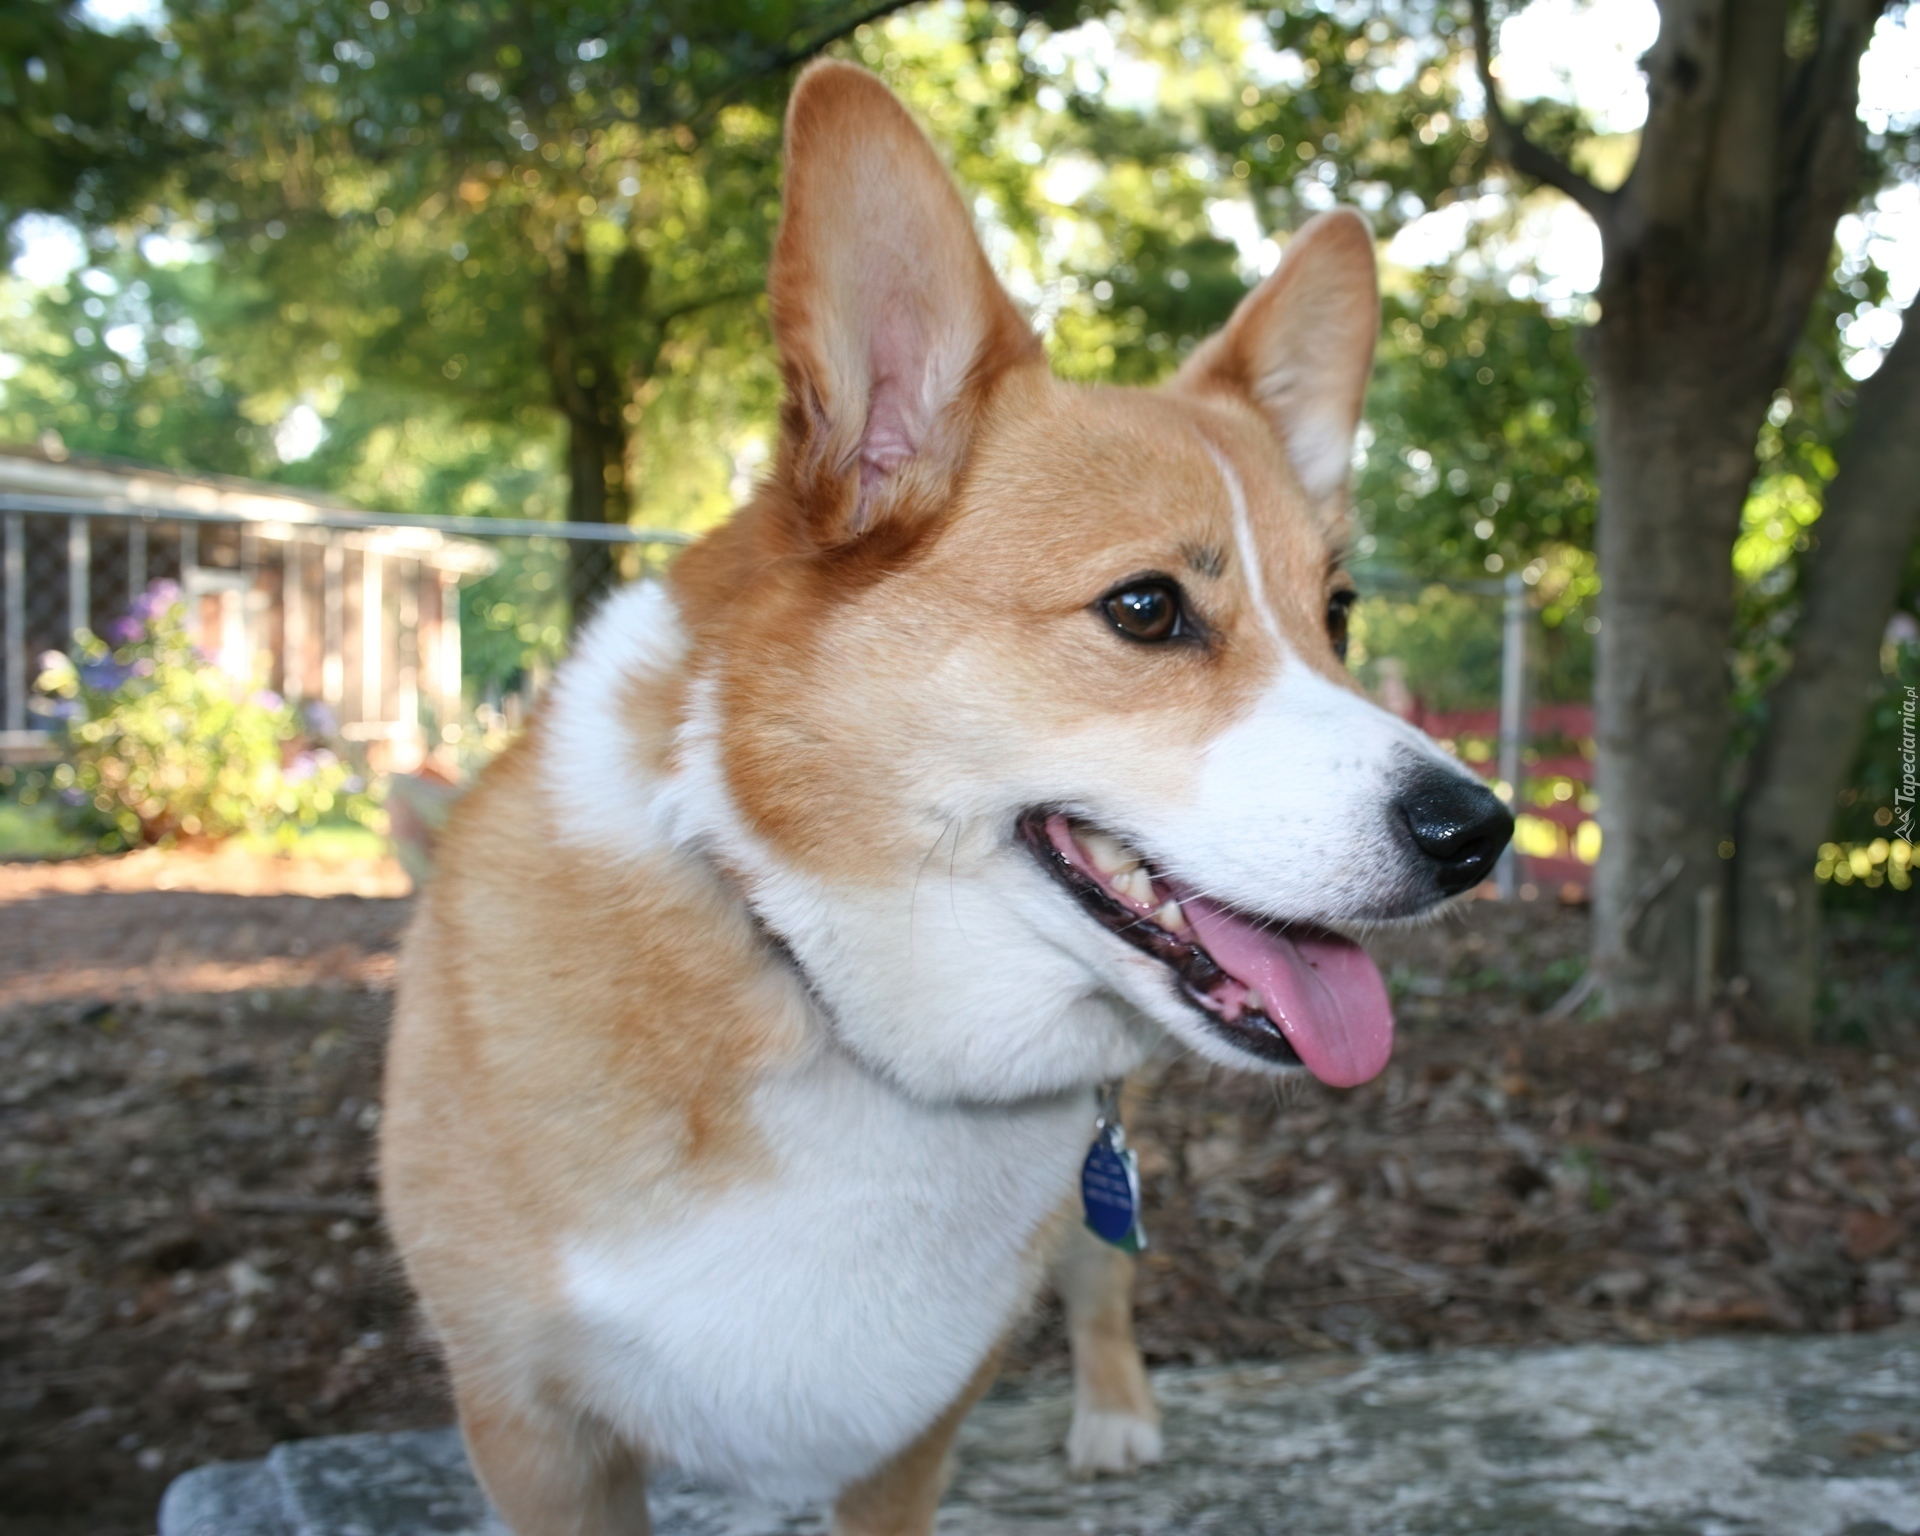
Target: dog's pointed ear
890, 324
1300, 347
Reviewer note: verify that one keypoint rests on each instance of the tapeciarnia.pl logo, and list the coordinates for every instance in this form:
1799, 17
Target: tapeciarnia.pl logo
1904, 791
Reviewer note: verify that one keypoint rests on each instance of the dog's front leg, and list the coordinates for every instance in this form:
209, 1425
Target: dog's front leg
551, 1475
1116, 1427
900, 1498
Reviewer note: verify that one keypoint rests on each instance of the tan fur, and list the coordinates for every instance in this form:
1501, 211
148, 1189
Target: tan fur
1095, 1283
903, 1495
550, 1474
579, 1037
856, 159
1101, 488
532, 1050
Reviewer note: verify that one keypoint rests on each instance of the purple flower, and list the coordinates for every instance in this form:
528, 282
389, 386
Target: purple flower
104, 676
320, 719
266, 698
156, 600
300, 769
128, 630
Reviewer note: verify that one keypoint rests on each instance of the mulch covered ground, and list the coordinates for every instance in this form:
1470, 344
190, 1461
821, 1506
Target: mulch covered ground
192, 1267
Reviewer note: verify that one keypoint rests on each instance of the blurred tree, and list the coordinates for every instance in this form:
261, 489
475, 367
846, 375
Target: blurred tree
116, 361
1481, 462
509, 205
450, 228
1133, 170
1817, 710
1718, 228
74, 129
1717, 245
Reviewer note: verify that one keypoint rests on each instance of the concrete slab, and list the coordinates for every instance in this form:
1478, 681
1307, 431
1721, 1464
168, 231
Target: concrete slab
1761, 1437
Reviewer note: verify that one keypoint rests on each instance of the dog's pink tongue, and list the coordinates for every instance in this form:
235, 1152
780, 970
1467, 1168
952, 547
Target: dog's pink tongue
1323, 991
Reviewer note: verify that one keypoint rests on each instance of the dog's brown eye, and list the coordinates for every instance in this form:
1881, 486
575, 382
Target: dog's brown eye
1339, 605
1147, 611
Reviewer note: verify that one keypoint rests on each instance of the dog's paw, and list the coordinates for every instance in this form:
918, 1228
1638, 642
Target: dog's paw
1111, 1440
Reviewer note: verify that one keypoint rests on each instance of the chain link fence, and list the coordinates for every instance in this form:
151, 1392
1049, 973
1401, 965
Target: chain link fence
382, 625
407, 637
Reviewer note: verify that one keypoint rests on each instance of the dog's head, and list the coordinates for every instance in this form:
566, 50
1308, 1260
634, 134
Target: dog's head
1019, 706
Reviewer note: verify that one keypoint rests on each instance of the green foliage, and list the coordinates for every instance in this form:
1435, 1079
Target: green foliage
505, 215
1446, 642
1866, 810
1481, 420
169, 392
486, 243
1798, 455
161, 745
1796, 459
34, 829
1479, 462
1362, 107
74, 132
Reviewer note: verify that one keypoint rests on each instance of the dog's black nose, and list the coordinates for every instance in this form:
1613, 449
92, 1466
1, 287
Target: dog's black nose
1457, 823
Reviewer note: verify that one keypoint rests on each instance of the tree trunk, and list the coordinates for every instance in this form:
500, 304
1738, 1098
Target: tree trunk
1715, 247
1675, 449
590, 327
596, 493
1817, 710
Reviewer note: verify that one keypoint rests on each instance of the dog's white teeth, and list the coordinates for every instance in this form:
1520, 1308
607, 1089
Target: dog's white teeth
1107, 854
1171, 918
1136, 885
1254, 1003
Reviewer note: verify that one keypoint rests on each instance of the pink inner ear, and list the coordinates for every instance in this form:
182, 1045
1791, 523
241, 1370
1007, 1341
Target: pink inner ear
896, 398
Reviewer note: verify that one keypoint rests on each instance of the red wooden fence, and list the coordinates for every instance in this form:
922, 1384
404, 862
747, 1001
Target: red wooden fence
1562, 734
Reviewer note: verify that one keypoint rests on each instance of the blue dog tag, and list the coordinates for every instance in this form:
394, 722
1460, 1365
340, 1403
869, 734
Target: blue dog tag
1110, 1183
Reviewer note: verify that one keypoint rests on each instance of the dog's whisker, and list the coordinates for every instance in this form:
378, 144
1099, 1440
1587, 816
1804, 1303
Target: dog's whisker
913, 899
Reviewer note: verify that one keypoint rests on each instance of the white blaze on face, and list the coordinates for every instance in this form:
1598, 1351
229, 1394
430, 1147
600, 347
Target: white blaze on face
1293, 810
1292, 815
1245, 547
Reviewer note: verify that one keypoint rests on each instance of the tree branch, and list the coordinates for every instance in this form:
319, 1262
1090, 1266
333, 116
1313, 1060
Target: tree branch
783, 59
1509, 136
1819, 158
1742, 166
1827, 81
1683, 72
1871, 516
1817, 710
665, 317
801, 52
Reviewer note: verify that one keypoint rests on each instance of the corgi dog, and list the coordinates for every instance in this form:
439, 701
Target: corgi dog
748, 1035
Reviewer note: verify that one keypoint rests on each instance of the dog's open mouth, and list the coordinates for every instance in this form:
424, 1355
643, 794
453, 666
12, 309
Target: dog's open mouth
1289, 992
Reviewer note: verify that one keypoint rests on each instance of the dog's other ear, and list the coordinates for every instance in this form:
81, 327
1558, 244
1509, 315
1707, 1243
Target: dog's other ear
1300, 346
890, 323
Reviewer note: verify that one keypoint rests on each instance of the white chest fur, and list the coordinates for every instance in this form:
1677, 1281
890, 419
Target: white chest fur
790, 1334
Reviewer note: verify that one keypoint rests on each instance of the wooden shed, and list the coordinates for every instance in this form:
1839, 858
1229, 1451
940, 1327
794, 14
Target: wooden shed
323, 602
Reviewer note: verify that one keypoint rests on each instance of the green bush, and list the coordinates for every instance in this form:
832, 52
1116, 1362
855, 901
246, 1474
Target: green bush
164, 746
